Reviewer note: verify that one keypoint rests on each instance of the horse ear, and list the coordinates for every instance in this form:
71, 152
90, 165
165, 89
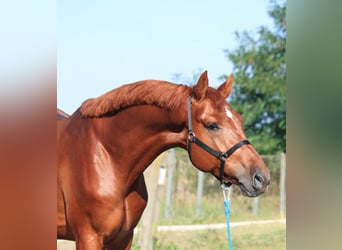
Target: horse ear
201, 86
227, 86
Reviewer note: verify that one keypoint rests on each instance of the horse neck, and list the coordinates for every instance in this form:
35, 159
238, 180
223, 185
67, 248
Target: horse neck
135, 136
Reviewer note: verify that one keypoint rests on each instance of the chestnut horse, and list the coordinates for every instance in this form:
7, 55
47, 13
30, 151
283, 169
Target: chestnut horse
105, 146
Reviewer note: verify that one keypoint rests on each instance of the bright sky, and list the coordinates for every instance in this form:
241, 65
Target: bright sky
105, 44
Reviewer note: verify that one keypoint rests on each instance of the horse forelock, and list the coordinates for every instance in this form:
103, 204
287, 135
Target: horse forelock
162, 94
215, 97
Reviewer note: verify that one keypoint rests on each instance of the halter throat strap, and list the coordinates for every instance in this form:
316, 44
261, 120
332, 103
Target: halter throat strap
222, 156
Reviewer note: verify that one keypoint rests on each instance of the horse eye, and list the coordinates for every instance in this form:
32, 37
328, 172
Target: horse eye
212, 126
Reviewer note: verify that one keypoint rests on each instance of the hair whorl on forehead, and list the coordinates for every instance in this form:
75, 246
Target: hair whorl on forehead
162, 94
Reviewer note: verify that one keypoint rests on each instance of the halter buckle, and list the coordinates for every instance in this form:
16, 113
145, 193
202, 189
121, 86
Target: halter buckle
191, 136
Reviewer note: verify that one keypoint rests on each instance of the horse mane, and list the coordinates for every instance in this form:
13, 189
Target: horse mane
162, 94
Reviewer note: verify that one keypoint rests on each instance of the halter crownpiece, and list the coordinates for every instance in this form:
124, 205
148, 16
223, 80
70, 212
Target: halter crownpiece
222, 156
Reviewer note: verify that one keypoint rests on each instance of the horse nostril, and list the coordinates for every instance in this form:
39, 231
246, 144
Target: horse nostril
258, 181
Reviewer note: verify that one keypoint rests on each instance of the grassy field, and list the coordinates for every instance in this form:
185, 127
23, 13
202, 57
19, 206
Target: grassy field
262, 236
252, 237
183, 211
267, 236
184, 201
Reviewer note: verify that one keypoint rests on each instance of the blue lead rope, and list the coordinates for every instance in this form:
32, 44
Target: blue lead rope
227, 213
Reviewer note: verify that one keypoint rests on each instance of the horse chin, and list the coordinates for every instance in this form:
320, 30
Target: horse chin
228, 181
247, 192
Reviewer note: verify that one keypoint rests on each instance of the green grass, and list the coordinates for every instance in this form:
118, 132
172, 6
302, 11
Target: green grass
183, 212
263, 236
184, 200
266, 236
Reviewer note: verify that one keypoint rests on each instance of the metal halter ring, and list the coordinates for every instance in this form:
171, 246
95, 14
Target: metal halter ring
191, 136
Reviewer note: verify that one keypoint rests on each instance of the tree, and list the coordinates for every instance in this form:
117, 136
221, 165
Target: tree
259, 89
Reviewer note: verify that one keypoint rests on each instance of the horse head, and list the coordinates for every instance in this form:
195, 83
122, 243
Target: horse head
217, 142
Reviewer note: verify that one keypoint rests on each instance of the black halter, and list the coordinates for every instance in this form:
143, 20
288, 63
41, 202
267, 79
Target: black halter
220, 155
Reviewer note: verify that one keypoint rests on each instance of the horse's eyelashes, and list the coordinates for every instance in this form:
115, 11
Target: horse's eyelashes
212, 126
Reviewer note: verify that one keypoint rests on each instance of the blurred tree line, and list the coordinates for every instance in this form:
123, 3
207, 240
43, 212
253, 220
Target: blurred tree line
259, 70
259, 92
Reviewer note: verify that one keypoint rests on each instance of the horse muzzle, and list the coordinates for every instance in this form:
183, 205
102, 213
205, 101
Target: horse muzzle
256, 185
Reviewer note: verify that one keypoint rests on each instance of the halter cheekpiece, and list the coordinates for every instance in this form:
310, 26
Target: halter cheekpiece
219, 155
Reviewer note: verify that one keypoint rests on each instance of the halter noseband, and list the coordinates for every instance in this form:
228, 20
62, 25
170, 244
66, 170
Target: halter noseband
219, 155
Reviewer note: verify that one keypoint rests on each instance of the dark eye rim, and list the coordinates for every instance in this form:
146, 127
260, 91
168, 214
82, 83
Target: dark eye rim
212, 126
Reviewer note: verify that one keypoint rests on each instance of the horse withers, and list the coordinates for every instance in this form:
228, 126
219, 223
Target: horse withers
104, 147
